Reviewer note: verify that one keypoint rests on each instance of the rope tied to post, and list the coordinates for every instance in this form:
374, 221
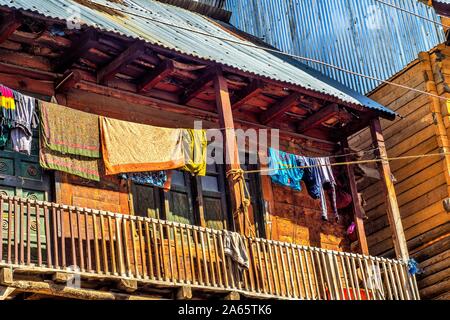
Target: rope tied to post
237, 175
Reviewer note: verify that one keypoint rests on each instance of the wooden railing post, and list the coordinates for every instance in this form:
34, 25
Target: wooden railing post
357, 209
231, 154
393, 212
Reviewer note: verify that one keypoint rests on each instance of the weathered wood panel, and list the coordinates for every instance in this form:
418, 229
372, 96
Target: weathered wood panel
421, 184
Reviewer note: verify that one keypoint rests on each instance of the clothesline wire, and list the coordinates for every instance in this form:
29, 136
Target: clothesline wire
413, 13
251, 45
351, 162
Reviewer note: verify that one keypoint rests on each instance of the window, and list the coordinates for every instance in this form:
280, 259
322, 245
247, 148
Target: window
198, 200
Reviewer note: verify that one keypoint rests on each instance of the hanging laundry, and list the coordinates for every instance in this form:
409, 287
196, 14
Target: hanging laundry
70, 131
311, 176
134, 147
6, 99
195, 145
7, 106
24, 123
235, 248
153, 179
328, 183
286, 177
85, 167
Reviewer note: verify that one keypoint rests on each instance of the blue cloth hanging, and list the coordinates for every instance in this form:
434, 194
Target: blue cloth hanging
413, 267
153, 179
286, 177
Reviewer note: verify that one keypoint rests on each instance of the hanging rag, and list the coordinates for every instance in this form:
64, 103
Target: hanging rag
134, 147
234, 247
328, 183
152, 179
85, 167
24, 123
70, 131
195, 145
278, 160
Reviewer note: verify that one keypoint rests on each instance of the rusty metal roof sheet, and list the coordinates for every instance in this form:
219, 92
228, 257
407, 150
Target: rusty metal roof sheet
150, 21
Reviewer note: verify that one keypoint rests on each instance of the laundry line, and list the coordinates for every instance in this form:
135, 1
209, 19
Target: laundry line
346, 163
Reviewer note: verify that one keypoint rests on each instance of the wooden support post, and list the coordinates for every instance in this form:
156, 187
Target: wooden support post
393, 212
6, 276
127, 285
231, 153
233, 295
62, 277
357, 209
5, 292
184, 293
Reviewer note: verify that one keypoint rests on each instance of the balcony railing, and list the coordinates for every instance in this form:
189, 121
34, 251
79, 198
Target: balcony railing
61, 237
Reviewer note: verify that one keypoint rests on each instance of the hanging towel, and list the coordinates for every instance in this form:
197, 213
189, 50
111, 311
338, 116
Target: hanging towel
24, 122
153, 179
134, 147
7, 114
195, 145
84, 167
70, 131
234, 247
286, 177
6, 100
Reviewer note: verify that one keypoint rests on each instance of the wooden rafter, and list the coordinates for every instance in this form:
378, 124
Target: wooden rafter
205, 79
10, 23
78, 48
317, 118
276, 111
252, 90
163, 70
126, 57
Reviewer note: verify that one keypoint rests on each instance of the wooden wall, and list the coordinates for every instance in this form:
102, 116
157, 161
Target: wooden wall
421, 184
109, 194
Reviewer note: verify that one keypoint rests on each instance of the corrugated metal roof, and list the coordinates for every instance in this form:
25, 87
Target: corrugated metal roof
132, 20
364, 36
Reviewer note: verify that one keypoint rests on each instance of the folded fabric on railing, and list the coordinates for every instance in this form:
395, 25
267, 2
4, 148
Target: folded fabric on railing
84, 167
234, 247
283, 169
70, 131
195, 146
134, 147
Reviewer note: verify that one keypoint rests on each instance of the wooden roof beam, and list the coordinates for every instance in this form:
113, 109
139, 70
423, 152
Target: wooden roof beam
10, 23
317, 118
205, 79
252, 90
78, 48
126, 57
278, 110
160, 72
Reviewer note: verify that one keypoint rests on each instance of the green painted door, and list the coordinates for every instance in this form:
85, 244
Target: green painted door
21, 175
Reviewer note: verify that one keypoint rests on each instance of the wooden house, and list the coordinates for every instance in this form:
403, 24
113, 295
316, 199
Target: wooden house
158, 64
422, 185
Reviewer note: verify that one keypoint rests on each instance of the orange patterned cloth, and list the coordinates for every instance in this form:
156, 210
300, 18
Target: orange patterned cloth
134, 147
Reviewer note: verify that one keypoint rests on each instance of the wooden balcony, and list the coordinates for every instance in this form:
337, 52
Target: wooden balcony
46, 238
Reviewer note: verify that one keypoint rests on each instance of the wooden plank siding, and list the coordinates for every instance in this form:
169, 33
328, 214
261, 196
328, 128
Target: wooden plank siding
421, 184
